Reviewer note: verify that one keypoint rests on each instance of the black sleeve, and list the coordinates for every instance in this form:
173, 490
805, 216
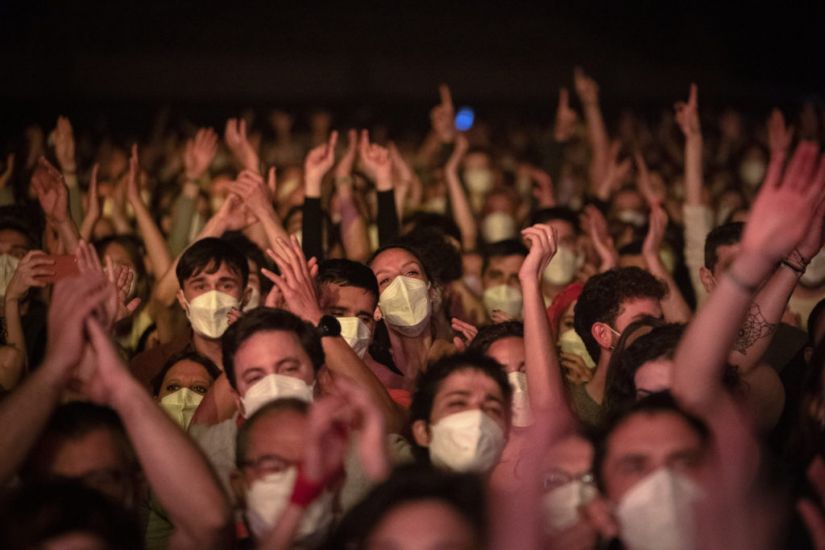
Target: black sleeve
388, 226
311, 229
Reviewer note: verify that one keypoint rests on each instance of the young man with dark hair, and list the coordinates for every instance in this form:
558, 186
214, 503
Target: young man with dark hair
499, 279
609, 302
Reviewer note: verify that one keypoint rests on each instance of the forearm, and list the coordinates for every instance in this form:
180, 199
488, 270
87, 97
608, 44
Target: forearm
75, 202
153, 240
69, 236
598, 139
693, 171
674, 306
177, 472
183, 213
462, 213
273, 229
14, 327
353, 229
698, 222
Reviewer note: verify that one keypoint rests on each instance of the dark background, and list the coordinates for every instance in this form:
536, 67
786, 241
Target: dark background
126, 59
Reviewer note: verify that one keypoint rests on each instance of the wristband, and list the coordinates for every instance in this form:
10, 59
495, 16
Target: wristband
750, 289
304, 491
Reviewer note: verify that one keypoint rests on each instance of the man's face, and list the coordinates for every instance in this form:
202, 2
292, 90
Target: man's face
271, 352
502, 270
276, 442
14, 243
223, 279
509, 352
645, 442
348, 301
570, 458
468, 389
96, 460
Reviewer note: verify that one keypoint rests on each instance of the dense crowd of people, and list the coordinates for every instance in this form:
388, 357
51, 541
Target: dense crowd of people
554, 336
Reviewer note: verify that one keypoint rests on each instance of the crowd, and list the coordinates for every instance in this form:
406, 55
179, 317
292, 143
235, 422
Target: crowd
554, 336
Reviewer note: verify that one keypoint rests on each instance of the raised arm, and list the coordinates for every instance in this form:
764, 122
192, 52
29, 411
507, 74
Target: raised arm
152, 237
588, 92
781, 215
375, 160
354, 233
406, 180
544, 378
53, 196
674, 306
442, 128
239, 145
318, 162
64, 150
460, 205
257, 197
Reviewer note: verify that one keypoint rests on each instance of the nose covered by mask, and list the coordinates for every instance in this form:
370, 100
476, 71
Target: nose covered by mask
478, 180
272, 387
8, 265
405, 305
522, 413
181, 406
208, 312
467, 441
570, 342
658, 512
498, 226
561, 505
268, 497
356, 333
505, 298
563, 267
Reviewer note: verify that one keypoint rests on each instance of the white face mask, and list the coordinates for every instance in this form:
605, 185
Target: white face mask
272, 387
8, 265
436, 205
405, 305
181, 406
356, 333
633, 217
561, 505
571, 342
208, 313
505, 298
268, 497
254, 299
522, 413
562, 268
468, 441
752, 171
815, 272
497, 227
478, 180
657, 513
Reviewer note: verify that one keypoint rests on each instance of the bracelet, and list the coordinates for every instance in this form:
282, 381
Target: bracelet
750, 289
304, 491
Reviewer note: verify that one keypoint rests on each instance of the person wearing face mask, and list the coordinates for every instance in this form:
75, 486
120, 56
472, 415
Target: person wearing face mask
499, 279
573, 354
460, 414
566, 262
180, 385
212, 276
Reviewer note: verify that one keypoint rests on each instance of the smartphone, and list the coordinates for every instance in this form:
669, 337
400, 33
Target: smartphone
65, 265
464, 119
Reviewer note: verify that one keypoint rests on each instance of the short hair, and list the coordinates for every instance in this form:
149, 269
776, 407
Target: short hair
562, 213
35, 513
507, 247
727, 234
443, 223
204, 361
490, 334
657, 403
278, 405
264, 319
442, 258
70, 422
14, 218
602, 298
343, 272
462, 492
208, 255
252, 252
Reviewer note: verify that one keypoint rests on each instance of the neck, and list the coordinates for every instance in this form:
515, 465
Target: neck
410, 353
595, 387
208, 347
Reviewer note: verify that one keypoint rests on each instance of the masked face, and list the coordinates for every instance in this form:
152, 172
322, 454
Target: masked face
479, 180
498, 226
814, 274
208, 312
657, 512
8, 265
561, 504
563, 267
268, 497
272, 387
181, 406
405, 305
571, 342
522, 413
467, 441
504, 298
356, 333
437, 205
633, 217
752, 171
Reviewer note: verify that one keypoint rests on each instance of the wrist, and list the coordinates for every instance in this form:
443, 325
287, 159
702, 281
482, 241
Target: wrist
383, 183
750, 268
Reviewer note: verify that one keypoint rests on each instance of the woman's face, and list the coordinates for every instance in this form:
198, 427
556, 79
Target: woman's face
423, 525
394, 262
186, 374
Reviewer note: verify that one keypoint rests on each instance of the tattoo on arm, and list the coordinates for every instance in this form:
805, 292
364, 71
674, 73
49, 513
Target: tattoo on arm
754, 328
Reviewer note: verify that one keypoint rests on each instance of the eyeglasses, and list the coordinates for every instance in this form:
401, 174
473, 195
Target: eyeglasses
557, 478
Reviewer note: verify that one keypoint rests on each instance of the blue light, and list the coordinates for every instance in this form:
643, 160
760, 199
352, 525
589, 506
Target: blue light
464, 119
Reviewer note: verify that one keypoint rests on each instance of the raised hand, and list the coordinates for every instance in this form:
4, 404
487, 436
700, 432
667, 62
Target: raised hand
52, 192
132, 178
596, 227
297, 279
786, 204
117, 305
687, 114
615, 173
200, 150
101, 379
644, 182
459, 150
234, 215
655, 234
543, 242
318, 162
586, 88
344, 167
64, 148
238, 143
33, 271
442, 116
376, 162
466, 334
566, 118
779, 135
255, 194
